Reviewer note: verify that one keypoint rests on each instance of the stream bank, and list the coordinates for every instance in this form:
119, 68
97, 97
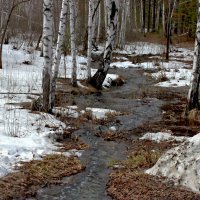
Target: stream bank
91, 184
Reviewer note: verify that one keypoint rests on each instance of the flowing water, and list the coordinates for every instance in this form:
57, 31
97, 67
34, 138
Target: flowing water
91, 183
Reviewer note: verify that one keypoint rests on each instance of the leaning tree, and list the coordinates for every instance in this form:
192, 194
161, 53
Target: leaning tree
113, 10
193, 95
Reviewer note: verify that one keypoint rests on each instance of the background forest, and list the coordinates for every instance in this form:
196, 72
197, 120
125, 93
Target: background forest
136, 17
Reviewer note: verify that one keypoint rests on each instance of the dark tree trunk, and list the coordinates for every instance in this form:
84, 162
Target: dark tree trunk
38, 42
154, 16
98, 79
168, 38
144, 16
149, 16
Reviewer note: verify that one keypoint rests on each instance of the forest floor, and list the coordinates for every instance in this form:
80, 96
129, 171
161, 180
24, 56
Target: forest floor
144, 108
113, 158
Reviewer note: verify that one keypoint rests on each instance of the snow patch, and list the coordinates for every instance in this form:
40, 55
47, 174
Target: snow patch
181, 164
162, 136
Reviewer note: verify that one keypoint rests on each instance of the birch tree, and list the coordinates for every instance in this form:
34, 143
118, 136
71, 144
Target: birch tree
171, 5
48, 53
99, 77
89, 49
58, 52
105, 14
122, 34
193, 94
73, 42
94, 6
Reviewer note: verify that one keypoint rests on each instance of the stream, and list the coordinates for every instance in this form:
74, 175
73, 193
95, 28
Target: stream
91, 183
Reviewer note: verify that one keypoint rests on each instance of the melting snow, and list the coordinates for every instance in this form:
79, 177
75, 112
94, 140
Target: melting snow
162, 136
181, 164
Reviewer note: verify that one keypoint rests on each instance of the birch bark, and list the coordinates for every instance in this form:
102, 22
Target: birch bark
48, 52
89, 49
121, 41
171, 5
73, 42
58, 52
99, 77
193, 94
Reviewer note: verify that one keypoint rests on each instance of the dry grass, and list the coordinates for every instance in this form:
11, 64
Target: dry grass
129, 182
162, 77
143, 158
118, 81
194, 117
111, 135
74, 143
38, 173
135, 185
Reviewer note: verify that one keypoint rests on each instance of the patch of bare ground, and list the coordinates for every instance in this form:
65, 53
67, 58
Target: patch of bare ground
36, 174
111, 135
129, 182
173, 117
134, 185
72, 143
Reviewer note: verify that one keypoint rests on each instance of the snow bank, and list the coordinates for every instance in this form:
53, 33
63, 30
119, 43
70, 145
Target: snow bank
162, 136
177, 71
125, 64
31, 137
100, 113
23, 135
142, 48
181, 164
72, 111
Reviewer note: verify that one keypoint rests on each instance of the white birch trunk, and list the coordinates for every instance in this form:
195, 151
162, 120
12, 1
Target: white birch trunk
122, 34
193, 94
58, 52
94, 21
100, 75
123, 15
89, 49
105, 15
48, 52
171, 5
73, 42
